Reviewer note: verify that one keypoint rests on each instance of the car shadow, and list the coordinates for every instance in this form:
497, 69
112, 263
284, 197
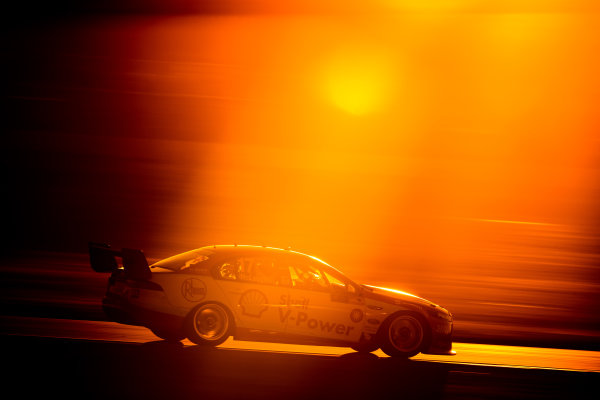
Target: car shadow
161, 369
303, 375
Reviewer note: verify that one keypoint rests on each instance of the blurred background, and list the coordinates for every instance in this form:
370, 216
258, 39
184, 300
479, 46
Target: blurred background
448, 148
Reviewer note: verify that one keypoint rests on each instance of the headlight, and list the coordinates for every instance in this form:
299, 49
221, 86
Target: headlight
440, 312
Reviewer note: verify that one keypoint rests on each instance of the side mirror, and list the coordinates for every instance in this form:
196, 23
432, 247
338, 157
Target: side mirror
339, 293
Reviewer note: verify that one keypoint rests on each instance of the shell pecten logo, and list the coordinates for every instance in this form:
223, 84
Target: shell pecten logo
253, 303
356, 315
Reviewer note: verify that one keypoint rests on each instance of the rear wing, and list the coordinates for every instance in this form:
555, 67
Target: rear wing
104, 259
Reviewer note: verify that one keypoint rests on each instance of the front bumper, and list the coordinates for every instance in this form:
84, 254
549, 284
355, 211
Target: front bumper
441, 346
441, 337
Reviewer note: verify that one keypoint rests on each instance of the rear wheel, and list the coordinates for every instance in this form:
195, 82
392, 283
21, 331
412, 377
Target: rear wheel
403, 335
209, 324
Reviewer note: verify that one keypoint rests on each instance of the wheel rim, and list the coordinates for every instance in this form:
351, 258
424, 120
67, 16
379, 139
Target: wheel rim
211, 322
406, 333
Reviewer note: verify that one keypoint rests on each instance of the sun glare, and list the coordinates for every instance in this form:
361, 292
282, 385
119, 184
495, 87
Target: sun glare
358, 81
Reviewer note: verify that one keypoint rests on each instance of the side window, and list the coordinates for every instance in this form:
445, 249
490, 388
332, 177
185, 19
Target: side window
307, 277
334, 281
261, 270
229, 270
337, 284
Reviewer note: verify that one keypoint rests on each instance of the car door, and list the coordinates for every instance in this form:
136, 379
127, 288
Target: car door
322, 305
256, 288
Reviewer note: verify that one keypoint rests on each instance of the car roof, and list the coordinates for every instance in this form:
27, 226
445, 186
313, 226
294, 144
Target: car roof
224, 250
228, 250
236, 248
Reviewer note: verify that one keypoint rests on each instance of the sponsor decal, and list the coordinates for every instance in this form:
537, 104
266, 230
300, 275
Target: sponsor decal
193, 289
299, 302
356, 315
302, 320
253, 303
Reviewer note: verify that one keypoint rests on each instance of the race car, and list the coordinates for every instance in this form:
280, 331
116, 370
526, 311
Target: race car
265, 294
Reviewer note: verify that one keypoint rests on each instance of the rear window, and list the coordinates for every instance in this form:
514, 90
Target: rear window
183, 261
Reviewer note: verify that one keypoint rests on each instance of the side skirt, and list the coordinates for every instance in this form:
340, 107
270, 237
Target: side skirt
256, 335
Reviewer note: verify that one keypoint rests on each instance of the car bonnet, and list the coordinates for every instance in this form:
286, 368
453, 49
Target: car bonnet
397, 297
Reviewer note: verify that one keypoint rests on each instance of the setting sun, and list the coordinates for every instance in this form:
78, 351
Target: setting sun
357, 80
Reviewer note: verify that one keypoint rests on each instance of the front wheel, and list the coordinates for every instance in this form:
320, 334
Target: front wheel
365, 346
209, 324
403, 335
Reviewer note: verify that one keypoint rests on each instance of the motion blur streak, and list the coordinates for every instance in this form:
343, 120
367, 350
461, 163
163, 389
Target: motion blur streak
448, 149
514, 222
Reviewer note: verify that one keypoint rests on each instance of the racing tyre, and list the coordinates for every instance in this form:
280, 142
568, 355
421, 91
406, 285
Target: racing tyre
209, 324
168, 334
403, 335
365, 346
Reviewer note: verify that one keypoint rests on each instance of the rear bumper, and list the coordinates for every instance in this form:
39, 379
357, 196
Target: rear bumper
125, 313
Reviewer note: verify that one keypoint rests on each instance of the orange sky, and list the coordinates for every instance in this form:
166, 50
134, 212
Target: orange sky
379, 127
391, 126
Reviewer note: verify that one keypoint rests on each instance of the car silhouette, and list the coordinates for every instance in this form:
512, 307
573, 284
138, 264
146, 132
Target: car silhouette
265, 294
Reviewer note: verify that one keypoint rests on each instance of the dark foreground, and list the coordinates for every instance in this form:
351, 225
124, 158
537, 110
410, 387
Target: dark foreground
47, 368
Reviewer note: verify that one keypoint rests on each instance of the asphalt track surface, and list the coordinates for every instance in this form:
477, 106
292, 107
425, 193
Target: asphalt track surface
98, 359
